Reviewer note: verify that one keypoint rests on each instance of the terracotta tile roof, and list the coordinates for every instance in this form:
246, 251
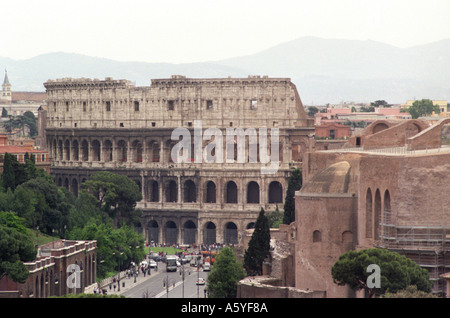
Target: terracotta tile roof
28, 96
18, 150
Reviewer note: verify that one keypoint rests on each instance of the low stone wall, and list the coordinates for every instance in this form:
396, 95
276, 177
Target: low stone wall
266, 287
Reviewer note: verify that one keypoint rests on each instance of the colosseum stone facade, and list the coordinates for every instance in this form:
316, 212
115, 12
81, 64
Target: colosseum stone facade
112, 125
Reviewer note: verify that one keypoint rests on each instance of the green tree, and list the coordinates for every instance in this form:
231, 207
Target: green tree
116, 195
8, 176
275, 218
423, 107
410, 292
258, 247
4, 112
294, 184
396, 271
312, 110
17, 247
116, 248
224, 275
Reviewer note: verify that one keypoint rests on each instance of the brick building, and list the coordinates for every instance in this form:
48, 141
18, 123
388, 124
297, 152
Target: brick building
389, 192
61, 267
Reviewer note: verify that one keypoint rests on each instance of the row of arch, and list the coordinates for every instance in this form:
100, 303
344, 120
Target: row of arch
46, 283
190, 191
135, 150
187, 233
379, 221
231, 193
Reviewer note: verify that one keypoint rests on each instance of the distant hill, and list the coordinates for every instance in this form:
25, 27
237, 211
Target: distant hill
324, 70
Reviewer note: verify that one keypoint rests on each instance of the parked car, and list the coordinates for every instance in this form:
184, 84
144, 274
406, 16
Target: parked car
153, 264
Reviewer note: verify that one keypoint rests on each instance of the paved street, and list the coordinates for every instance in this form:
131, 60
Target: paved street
153, 285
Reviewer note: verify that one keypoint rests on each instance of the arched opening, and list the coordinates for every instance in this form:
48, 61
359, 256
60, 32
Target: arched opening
67, 150
74, 187
75, 150
347, 237
60, 150
209, 235
66, 183
253, 192
317, 236
379, 127
122, 151
190, 233
107, 151
153, 150
153, 232
249, 226
96, 150
84, 151
171, 191
369, 213
275, 192
377, 215
231, 194
152, 191
171, 233
210, 192
231, 235
136, 148
190, 191
387, 222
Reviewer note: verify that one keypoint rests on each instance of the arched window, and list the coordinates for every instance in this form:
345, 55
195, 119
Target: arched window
387, 214
347, 237
84, 151
253, 192
190, 191
210, 192
377, 214
231, 194
96, 150
75, 150
317, 236
108, 151
369, 213
275, 192
122, 150
153, 191
171, 191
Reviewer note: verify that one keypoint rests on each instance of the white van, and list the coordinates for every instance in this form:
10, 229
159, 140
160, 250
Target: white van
206, 267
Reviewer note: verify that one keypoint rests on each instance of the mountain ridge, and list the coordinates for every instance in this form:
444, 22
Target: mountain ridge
324, 70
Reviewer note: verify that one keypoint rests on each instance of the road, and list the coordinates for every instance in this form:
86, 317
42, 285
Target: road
155, 287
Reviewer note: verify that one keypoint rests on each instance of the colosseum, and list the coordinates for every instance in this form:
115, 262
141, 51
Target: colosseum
113, 125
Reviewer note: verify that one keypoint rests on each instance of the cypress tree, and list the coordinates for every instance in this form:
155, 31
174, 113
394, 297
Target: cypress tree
294, 184
8, 177
258, 247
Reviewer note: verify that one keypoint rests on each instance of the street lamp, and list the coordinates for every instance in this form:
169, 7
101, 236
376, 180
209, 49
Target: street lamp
166, 282
182, 273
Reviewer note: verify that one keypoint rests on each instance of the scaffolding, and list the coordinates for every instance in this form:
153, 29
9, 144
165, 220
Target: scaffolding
428, 246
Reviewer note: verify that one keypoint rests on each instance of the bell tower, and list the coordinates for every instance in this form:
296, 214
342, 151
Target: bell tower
6, 89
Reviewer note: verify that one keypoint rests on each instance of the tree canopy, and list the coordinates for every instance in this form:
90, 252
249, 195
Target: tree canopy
116, 196
224, 275
258, 247
396, 271
423, 107
17, 247
294, 184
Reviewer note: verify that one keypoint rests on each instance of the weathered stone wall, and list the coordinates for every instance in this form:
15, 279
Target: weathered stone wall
111, 125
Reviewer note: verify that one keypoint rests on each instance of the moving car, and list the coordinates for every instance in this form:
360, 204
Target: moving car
201, 281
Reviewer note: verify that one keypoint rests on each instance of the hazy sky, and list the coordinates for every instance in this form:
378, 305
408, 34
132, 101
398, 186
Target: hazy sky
183, 31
